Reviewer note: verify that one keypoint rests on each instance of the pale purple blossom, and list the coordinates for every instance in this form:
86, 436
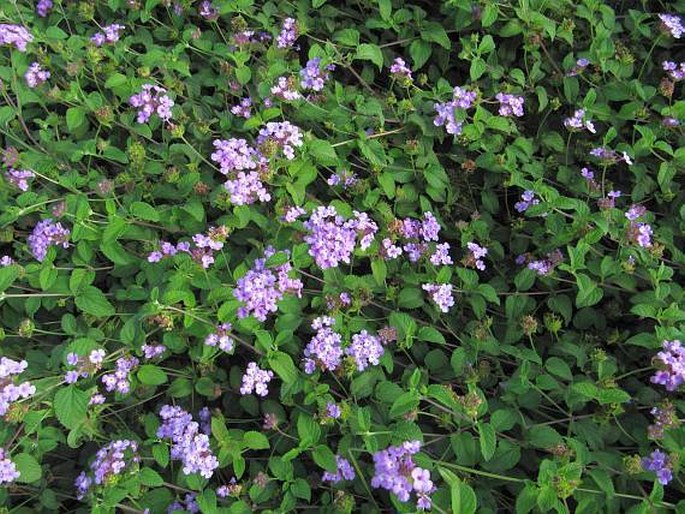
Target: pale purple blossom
578, 67
475, 257
119, 380
43, 7
208, 11
333, 410
19, 178
283, 135
579, 122
441, 295
527, 200
110, 34
221, 338
674, 70
672, 24
365, 349
15, 35
510, 105
243, 109
344, 471
6, 260
446, 112
235, 155
389, 250
400, 71
113, 459
8, 470
46, 234
256, 379
152, 351
324, 350
314, 76
344, 178
11, 390
36, 75
288, 34
284, 89
441, 256
293, 213
247, 188
152, 100
659, 463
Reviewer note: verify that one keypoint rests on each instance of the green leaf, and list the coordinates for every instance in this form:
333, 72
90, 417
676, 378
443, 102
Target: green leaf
404, 403
150, 478
71, 406
435, 33
420, 51
92, 301
325, 458
323, 152
284, 367
462, 495
144, 211
255, 440
150, 374
369, 52
478, 67
28, 467
431, 335
308, 430
488, 440
8, 275
588, 291
76, 118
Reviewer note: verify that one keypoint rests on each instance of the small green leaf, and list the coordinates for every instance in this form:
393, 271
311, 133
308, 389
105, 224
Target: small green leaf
369, 52
463, 497
255, 440
76, 118
144, 211
488, 440
28, 467
71, 406
150, 374
92, 301
325, 458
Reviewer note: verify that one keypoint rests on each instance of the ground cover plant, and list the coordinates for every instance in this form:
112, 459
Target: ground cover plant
342, 256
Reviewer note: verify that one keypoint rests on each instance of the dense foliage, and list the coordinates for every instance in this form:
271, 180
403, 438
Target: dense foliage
342, 256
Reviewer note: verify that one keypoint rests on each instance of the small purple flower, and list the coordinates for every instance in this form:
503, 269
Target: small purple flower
284, 89
243, 109
46, 234
365, 349
659, 463
256, 379
119, 380
333, 411
441, 255
672, 24
545, 266
15, 35
36, 75
401, 72
151, 351
672, 363
6, 260
283, 135
110, 34
8, 470
345, 178
43, 8
208, 11
475, 257
345, 471
510, 105
10, 391
19, 178
461, 99
579, 67
293, 213
247, 188
313, 76
441, 295
221, 338
288, 35
527, 200
665, 418
391, 251
675, 71
579, 122
111, 460
152, 100
235, 155
325, 348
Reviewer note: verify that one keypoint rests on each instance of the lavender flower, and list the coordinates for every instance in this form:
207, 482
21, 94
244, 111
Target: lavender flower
247, 188
288, 34
660, 463
672, 361
235, 155
119, 380
579, 67
670, 122
579, 122
15, 35
395, 471
391, 251
110, 34
345, 471
293, 213
256, 379
151, 351
401, 72
6, 260
111, 460
283, 135
313, 76
527, 199
609, 156
672, 24
208, 11
441, 295
640, 233
284, 89
10, 391
475, 257
19, 178
545, 266
441, 255
325, 348
36, 75
345, 178
510, 105
365, 349
152, 100
202, 252
665, 418
332, 410
46, 234
675, 71
461, 99
221, 338
609, 202
262, 288
190, 446
243, 109
331, 240
43, 8
8, 470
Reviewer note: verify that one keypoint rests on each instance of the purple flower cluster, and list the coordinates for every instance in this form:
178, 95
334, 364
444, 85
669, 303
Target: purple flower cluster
292, 214
579, 67
119, 380
332, 240
36, 75
288, 34
152, 99
152, 351
639, 232
243, 109
345, 471
261, 287
441, 295
110, 34
187, 506
221, 338
545, 266
332, 410
19, 178
256, 379
285, 90
659, 463
579, 122
83, 367
462, 99
395, 471
401, 72
46, 234
283, 135
675, 71
609, 156
313, 76
441, 256
609, 201
419, 234
202, 250
15, 35
672, 24
344, 178
672, 361
236, 155
589, 176
43, 7
475, 256
665, 418
189, 444
8, 470
510, 105
208, 11
247, 188
365, 349
324, 350
9, 391
111, 460
6, 260
527, 199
